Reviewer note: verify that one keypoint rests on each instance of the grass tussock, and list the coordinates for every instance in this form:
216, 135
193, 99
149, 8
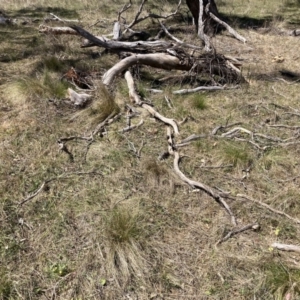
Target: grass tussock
125, 233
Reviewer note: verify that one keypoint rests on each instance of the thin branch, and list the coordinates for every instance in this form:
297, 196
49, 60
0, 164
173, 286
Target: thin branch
279, 212
230, 29
137, 20
236, 231
178, 40
44, 184
195, 184
200, 88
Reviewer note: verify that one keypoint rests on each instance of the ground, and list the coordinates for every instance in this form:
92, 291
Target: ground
113, 225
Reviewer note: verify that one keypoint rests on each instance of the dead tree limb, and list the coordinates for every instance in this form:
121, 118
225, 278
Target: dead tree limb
262, 204
137, 100
219, 198
137, 20
57, 30
285, 247
236, 231
198, 89
230, 29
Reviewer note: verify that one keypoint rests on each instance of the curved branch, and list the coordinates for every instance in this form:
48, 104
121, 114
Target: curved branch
136, 98
156, 60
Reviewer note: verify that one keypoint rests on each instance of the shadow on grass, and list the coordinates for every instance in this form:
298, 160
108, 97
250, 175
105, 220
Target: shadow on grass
41, 12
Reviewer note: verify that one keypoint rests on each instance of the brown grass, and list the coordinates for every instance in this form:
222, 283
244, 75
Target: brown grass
127, 227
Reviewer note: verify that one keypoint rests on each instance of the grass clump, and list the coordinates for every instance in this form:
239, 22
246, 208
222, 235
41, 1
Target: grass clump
198, 101
236, 154
280, 279
125, 234
41, 87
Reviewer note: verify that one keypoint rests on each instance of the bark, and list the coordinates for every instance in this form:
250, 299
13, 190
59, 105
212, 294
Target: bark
210, 26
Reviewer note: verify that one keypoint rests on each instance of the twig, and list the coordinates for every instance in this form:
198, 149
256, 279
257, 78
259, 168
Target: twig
201, 88
279, 212
137, 20
44, 184
230, 29
31, 196
233, 232
64, 148
131, 127
168, 102
178, 40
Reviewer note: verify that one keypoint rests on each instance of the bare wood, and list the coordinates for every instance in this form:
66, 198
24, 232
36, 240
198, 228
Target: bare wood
230, 29
58, 19
124, 8
198, 185
117, 33
279, 212
285, 247
79, 100
121, 46
178, 40
157, 60
131, 127
204, 37
285, 126
236, 231
136, 99
198, 89
57, 30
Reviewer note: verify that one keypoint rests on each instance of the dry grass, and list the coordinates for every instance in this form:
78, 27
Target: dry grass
114, 226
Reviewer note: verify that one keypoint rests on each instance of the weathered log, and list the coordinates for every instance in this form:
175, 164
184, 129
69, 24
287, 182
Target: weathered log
57, 30
206, 64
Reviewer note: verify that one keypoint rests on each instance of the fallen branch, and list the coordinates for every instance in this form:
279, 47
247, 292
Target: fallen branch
58, 19
230, 29
195, 184
285, 247
57, 30
178, 40
279, 212
44, 184
198, 89
137, 100
233, 232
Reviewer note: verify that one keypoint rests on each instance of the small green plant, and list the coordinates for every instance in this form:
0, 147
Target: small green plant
199, 102
59, 269
52, 63
236, 154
